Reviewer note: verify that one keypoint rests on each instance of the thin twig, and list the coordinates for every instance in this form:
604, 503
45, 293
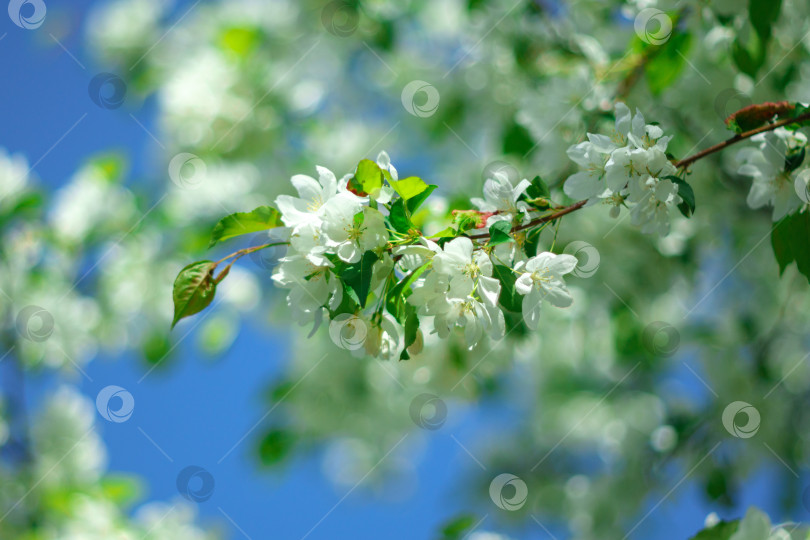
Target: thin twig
537, 221
740, 137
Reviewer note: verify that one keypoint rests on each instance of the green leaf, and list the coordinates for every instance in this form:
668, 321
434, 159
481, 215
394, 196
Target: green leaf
193, 289
410, 187
749, 57
395, 300
763, 14
405, 284
358, 276
259, 219
532, 242
455, 528
415, 202
687, 207
449, 232
509, 298
368, 178
666, 65
794, 160
790, 239
398, 217
517, 140
275, 446
411, 329
538, 189
499, 233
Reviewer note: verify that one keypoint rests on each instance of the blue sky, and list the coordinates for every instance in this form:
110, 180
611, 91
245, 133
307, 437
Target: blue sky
196, 410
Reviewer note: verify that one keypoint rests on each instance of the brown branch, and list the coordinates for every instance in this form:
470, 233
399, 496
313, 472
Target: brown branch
536, 221
740, 137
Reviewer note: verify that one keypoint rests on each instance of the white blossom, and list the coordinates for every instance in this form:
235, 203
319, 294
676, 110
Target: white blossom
765, 164
541, 279
627, 169
501, 197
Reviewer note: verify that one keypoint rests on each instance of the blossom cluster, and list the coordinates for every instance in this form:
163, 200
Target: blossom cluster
629, 168
338, 230
770, 164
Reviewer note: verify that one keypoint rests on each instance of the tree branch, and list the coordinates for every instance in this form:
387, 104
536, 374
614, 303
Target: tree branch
537, 221
740, 137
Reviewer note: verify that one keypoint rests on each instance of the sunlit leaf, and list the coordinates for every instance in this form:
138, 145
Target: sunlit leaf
259, 219
193, 290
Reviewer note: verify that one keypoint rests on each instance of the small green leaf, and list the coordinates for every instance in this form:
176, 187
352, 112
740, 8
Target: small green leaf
517, 140
449, 232
666, 64
532, 242
395, 299
193, 289
411, 329
781, 243
416, 201
368, 178
749, 57
398, 216
538, 189
687, 207
259, 219
790, 239
509, 298
410, 187
794, 160
499, 233
763, 14
358, 276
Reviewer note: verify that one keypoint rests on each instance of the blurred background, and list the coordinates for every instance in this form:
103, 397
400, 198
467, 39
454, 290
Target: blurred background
132, 126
